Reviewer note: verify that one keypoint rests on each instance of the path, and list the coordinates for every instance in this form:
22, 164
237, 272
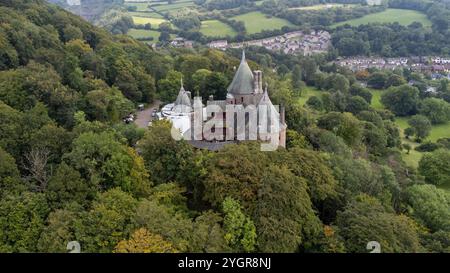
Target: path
145, 116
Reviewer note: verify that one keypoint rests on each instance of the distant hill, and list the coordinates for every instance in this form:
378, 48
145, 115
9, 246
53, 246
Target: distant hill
88, 9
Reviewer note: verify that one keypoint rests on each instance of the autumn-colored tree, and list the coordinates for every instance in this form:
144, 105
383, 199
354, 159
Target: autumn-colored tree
143, 241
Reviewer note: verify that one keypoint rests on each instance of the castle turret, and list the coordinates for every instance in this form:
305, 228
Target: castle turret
243, 80
183, 102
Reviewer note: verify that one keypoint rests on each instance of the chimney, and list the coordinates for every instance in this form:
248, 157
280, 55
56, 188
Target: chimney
282, 115
258, 85
211, 98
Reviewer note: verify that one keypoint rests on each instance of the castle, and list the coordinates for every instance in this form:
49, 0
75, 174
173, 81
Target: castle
247, 108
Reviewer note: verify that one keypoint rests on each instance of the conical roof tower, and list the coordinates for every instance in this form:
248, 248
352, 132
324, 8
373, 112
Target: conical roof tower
242, 83
183, 102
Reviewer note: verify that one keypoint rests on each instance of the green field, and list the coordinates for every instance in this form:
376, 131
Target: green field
437, 132
175, 6
376, 99
215, 28
412, 159
155, 22
146, 14
256, 22
402, 16
324, 6
143, 33
307, 93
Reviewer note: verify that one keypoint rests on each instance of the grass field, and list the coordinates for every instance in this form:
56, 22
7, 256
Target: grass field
146, 14
412, 159
256, 22
215, 28
376, 99
437, 132
324, 6
402, 16
307, 93
143, 33
155, 22
175, 6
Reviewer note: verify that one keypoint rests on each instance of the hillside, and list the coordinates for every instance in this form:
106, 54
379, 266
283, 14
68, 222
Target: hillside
401, 16
78, 56
74, 168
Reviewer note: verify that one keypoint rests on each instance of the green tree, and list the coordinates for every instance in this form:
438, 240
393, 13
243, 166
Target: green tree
240, 231
357, 104
377, 80
374, 138
315, 103
11, 129
284, 216
55, 139
430, 206
10, 181
169, 87
192, 63
365, 220
166, 158
344, 125
421, 126
66, 185
235, 177
208, 235
108, 163
394, 80
401, 100
110, 220
436, 110
22, 219
409, 132
407, 147
297, 82
173, 226
338, 82
435, 167
358, 90
313, 168
59, 230
294, 139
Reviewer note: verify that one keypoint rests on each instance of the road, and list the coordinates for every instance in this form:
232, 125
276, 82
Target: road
145, 116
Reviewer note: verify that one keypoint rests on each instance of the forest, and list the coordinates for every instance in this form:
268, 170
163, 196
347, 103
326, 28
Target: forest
71, 170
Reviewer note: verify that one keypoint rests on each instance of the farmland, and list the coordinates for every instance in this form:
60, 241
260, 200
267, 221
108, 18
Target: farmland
216, 28
155, 22
256, 22
143, 33
402, 16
